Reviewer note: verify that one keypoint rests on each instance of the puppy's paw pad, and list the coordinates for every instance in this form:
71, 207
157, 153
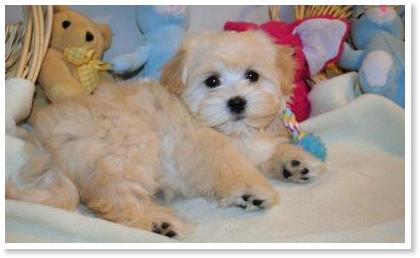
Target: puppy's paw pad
164, 228
167, 224
303, 170
251, 202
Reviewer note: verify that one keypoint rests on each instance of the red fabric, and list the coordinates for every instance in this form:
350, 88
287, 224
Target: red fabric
282, 33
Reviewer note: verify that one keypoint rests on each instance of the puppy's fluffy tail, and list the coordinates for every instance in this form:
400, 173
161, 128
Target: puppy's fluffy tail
44, 184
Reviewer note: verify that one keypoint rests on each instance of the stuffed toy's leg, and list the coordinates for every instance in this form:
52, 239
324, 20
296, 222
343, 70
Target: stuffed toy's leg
351, 59
132, 61
18, 98
378, 74
19, 94
400, 96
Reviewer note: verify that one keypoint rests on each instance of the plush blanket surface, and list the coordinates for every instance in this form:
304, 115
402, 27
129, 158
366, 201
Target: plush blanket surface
360, 199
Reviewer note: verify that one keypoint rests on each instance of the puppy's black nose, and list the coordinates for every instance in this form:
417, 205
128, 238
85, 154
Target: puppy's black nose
236, 104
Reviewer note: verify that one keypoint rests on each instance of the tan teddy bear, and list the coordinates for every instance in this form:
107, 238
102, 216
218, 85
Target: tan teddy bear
72, 64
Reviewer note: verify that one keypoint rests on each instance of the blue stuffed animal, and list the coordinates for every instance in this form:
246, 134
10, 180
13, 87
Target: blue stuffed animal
378, 34
163, 28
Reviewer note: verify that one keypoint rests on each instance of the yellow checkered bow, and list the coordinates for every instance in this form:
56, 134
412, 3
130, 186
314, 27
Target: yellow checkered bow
87, 68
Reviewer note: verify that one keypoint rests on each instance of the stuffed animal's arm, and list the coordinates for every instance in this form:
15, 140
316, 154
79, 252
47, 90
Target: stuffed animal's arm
56, 78
19, 95
351, 59
132, 61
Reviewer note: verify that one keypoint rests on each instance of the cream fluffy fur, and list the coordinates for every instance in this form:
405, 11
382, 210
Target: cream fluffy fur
118, 149
127, 148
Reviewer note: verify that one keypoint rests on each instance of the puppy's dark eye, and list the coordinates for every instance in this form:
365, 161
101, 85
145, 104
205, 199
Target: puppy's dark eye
212, 81
360, 15
252, 75
65, 24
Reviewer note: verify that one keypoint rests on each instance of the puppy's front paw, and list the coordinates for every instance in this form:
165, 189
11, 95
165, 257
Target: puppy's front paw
302, 169
252, 199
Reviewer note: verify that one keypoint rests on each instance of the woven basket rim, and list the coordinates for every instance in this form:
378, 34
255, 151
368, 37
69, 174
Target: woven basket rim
30, 44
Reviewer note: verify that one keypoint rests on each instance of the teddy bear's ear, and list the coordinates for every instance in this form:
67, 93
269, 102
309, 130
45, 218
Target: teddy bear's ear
60, 8
106, 33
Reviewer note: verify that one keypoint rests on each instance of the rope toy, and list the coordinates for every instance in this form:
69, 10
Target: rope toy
310, 142
87, 68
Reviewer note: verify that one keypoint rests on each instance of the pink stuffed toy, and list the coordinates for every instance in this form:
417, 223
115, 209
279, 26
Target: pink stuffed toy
317, 41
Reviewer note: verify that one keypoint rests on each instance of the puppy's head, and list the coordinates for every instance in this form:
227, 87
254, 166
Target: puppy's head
234, 82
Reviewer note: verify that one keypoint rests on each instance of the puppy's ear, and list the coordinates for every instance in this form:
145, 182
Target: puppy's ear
285, 63
171, 76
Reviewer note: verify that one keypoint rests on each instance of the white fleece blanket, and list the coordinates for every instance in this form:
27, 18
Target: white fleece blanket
361, 199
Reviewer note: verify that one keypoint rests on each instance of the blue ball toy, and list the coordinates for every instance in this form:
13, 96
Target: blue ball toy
309, 142
314, 145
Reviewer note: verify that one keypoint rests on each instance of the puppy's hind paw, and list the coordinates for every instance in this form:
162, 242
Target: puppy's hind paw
253, 199
164, 228
171, 226
250, 202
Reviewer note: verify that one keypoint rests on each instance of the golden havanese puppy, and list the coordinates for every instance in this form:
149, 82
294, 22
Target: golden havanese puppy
238, 84
210, 131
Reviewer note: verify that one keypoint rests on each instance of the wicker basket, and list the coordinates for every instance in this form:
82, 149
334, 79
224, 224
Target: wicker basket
27, 42
305, 11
